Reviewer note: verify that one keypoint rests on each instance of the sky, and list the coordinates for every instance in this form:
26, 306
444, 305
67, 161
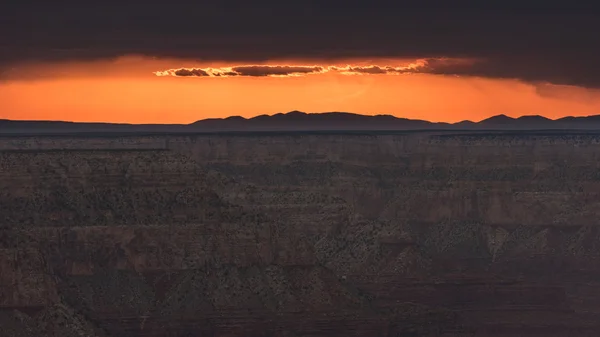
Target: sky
169, 62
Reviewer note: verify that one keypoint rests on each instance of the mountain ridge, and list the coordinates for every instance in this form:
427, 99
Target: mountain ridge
302, 121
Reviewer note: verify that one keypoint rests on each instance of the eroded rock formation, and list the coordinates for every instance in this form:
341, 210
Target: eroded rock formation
417, 234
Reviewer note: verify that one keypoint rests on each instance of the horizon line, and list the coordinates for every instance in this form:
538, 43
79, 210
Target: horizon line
299, 112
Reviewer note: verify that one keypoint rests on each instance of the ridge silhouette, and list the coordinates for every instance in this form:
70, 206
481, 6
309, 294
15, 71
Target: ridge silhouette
302, 121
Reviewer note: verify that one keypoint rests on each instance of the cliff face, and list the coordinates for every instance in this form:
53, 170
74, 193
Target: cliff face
297, 235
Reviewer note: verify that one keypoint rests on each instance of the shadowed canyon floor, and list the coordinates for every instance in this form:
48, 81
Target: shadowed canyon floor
417, 234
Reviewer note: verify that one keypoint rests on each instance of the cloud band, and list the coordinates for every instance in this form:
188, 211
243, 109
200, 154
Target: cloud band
431, 65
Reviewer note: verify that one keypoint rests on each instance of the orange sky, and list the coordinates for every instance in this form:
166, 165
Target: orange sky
126, 90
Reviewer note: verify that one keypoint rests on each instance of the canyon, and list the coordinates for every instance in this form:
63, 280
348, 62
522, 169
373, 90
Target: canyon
416, 233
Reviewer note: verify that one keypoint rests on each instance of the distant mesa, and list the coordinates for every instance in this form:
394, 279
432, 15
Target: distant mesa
302, 121
534, 118
526, 122
464, 123
498, 119
237, 118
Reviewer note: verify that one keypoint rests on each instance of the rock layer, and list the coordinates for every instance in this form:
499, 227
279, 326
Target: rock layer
301, 235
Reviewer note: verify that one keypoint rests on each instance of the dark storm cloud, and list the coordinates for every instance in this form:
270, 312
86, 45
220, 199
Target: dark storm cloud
441, 66
190, 72
245, 70
447, 66
369, 70
230, 73
532, 41
274, 70
429, 66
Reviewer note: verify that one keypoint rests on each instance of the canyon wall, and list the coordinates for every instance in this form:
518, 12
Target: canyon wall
414, 234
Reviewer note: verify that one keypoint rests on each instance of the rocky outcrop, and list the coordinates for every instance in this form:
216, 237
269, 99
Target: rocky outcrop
416, 234
503, 224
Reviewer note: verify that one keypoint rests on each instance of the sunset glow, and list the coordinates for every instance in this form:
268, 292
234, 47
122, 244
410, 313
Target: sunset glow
150, 90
